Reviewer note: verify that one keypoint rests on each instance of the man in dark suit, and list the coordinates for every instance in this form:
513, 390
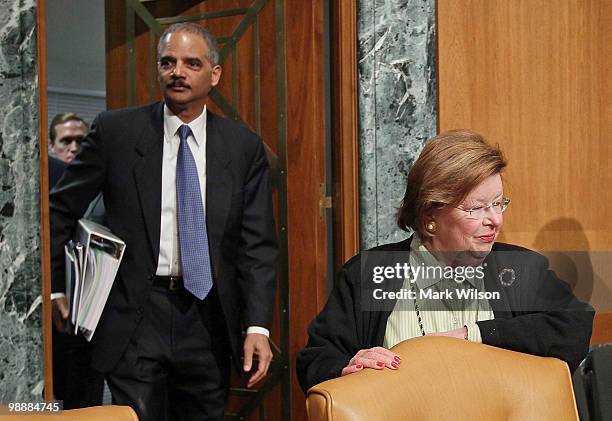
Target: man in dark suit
185, 287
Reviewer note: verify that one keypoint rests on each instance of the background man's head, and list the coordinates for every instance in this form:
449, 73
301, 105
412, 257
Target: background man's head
66, 132
188, 66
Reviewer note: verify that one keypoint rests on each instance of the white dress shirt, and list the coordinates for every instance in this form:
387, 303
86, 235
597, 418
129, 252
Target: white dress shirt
169, 252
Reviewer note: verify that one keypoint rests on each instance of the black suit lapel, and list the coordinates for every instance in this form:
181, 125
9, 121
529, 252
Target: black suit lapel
148, 174
218, 187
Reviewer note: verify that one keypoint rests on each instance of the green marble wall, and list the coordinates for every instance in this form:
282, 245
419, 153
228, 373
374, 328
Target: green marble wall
20, 286
397, 105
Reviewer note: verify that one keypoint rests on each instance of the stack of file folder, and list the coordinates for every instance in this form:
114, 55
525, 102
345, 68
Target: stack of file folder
92, 262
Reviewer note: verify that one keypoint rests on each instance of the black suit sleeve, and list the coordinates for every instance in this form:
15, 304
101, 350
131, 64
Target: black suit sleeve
258, 249
56, 169
81, 182
546, 320
333, 336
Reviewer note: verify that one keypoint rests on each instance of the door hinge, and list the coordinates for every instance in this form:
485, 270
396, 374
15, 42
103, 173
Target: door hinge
325, 202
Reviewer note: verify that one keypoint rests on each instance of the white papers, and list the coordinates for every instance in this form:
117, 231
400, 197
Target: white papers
92, 262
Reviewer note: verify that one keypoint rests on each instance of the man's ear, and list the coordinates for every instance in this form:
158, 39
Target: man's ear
215, 75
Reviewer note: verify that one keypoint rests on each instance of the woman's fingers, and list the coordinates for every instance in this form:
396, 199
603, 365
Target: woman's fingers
371, 363
376, 358
351, 369
379, 354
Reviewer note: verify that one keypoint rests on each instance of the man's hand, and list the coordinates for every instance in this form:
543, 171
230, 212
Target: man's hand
257, 344
60, 312
460, 333
377, 358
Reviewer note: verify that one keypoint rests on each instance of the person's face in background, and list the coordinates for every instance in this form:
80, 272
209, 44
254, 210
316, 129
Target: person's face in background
68, 138
473, 237
184, 72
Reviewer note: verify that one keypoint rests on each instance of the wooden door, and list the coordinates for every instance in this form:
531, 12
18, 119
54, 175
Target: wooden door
265, 47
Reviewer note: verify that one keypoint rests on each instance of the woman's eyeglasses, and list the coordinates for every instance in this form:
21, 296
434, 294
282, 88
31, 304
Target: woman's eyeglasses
480, 211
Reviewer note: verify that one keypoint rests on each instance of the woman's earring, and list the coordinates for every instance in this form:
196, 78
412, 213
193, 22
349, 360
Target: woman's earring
431, 227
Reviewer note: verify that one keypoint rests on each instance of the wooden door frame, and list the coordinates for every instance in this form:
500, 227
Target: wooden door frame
306, 160
45, 230
345, 130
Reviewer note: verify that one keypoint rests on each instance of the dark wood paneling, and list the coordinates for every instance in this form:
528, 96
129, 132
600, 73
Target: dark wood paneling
116, 54
306, 171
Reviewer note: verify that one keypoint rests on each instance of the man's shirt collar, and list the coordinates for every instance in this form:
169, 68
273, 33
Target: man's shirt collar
172, 124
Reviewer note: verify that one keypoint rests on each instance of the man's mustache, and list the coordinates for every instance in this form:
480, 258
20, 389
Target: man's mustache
178, 83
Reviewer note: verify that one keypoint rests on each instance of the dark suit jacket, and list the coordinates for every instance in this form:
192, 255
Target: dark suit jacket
56, 169
122, 157
537, 314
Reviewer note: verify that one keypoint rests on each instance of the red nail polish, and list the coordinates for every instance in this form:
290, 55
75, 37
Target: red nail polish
380, 364
394, 364
396, 358
359, 366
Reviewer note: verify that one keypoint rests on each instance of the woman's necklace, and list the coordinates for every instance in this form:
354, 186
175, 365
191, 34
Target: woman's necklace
418, 313
416, 307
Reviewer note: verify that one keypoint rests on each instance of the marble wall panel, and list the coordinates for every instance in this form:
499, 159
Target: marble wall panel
21, 377
397, 105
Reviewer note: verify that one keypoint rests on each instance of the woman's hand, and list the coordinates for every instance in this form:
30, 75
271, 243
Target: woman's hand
377, 358
460, 333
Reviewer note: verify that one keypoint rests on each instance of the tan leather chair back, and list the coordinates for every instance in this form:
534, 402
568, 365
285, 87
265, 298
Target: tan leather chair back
450, 379
94, 413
